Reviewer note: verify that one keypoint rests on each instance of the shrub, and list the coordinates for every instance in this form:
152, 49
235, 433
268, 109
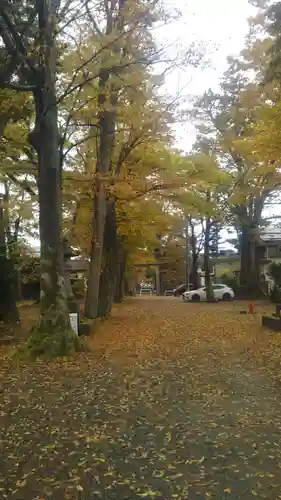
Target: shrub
275, 272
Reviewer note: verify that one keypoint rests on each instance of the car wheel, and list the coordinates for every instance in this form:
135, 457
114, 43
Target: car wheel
196, 297
226, 296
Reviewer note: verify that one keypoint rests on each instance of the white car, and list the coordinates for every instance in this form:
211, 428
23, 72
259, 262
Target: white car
221, 292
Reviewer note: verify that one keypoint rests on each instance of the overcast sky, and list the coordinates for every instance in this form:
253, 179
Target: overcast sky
222, 25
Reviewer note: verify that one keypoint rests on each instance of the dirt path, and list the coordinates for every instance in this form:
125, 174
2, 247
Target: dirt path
176, 401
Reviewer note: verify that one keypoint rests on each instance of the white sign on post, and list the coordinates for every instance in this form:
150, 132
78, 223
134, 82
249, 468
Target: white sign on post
73, 317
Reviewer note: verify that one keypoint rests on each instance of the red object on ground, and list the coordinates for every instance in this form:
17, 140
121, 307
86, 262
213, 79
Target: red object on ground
251, 308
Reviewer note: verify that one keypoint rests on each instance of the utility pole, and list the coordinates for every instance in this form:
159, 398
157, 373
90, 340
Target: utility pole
186, 254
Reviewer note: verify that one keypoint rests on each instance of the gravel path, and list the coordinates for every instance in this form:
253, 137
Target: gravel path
174, 401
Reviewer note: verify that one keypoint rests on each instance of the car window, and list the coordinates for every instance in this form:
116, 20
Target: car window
218, 287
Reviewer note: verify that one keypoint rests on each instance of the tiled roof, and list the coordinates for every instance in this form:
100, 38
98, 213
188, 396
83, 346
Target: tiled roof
270, 234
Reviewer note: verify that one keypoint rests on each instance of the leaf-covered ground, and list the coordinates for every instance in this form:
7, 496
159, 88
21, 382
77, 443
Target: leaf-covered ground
175, 401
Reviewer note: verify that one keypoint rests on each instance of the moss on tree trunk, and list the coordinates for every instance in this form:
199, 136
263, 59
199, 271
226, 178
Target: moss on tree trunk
53, 335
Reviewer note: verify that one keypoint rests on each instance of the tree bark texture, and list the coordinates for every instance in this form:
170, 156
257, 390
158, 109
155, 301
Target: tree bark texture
110, 262
8, 305
8, 270
45, 139
98, 228
249, 267
194, 276
100, 204
108, 98
208, 280
120, 275
250, 219
53, 335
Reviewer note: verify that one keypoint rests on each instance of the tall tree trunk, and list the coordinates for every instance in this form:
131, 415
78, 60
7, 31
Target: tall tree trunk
208, 280
130, 284
53, 335
248, 271
244, 251
98, 228
126, 286
194, 276
12, 243
54, 312
108, 97
250, 219
109, 271
106, 144
8, 306
120, 284
9, 240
